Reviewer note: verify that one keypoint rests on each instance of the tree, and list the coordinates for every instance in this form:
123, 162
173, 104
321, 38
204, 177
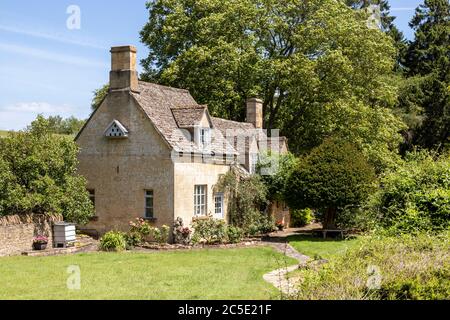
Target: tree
278, 167
38, 174
428, 62
333, 176
387, 25
318, 67
99, 96
69, 126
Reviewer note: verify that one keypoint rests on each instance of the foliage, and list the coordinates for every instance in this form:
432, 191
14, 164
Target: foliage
409, 267
246, 196
99, 96
182, 234
69, 126
416, 196
161, 235
301, 217
234, 234
113, 241
38, 175
138, 231
227, 51
209, 231
332, 176
428, 62
274, 169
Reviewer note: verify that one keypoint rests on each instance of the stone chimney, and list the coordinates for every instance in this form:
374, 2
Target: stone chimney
255, 112
123, 75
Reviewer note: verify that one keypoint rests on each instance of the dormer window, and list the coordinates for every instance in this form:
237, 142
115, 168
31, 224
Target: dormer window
204, 137
116, 130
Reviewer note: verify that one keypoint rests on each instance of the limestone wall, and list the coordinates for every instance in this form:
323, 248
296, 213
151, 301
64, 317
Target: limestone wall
17, 232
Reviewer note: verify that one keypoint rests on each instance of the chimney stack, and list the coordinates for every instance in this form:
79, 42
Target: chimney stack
255, 112
123, 75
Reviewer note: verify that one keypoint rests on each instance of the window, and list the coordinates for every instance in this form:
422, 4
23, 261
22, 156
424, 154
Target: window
200, 200
218, 205
92, 196
205, 136
149, 204
253, 162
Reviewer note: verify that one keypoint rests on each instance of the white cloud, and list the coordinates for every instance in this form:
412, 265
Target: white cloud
55, 57
38, 107
19, 115
52, 37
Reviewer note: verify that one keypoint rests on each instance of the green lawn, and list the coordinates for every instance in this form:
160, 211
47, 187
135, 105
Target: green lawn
315, 247
198, 274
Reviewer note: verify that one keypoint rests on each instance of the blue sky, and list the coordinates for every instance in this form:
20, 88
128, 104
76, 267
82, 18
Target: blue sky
50, 69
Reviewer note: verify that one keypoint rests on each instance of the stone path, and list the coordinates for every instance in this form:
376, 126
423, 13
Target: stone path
278, 278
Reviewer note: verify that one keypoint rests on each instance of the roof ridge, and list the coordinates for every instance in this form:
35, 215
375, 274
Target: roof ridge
162, 86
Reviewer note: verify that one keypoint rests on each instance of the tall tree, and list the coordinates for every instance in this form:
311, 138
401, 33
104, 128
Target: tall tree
428, 61
387, 25
318, 67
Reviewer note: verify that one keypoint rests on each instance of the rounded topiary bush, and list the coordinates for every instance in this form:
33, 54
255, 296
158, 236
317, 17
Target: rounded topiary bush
334, 175
113, 241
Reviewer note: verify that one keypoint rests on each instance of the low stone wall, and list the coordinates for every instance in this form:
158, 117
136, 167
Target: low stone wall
17, 231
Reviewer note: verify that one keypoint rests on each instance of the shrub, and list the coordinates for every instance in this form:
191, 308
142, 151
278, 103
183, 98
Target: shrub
416, 196
234, 234
113, 241
209, 231
334, 175
38, 175
138, 231
404, 267
181, 233
301, 218
246, 197
161, 235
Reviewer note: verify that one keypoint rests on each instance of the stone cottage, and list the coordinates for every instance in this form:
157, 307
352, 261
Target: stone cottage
151, 151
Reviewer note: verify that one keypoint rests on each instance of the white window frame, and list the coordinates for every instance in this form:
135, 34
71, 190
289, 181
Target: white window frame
200, 199
219, 214
254, 158
149, 195
204, 136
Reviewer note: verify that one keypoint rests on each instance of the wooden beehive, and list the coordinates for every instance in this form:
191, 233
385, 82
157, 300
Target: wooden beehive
63, 234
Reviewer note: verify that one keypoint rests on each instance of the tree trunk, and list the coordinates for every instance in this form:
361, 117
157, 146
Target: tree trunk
328, 221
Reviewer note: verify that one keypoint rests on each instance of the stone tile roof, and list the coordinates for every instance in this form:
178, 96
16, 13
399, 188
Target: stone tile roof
188, 116
158, 102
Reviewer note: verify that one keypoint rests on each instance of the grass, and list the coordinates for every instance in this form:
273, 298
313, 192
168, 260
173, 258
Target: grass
316, 247
3, 133
198, 274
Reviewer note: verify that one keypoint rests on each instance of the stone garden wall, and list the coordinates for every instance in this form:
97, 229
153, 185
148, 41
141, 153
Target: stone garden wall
17, 232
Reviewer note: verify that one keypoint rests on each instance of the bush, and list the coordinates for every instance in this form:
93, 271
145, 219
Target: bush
161, 235
334, 175
234, 234
246, 199
209, 231
301, 218
413, 267
138, 231
181, 233
113, 241
38, 175
416, 196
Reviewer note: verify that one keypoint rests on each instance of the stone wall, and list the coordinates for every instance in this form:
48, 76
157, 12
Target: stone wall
17, 232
